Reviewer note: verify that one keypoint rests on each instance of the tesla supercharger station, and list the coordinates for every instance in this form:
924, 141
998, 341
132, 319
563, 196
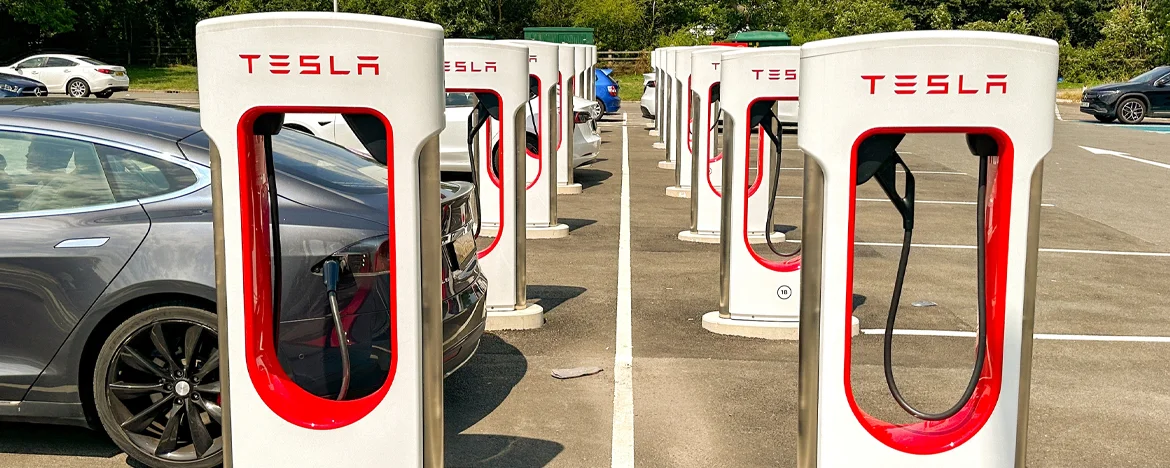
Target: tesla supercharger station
252, 69
760, 282
668, 108
567, 64
998, 90
582, 67
657, 62
685, 139
706, 160
540, 168
497, 72
590, 78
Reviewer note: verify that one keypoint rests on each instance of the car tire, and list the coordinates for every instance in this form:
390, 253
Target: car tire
143, 397
1105, 118
77, 88
105, 94
1131, 110
602, 113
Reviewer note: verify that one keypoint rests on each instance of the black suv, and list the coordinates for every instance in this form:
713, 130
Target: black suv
1145, 95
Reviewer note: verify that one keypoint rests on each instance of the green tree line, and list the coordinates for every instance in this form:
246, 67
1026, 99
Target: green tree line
1100, 39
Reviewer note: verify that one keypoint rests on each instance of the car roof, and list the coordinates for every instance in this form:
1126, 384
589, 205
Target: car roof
66, 56
147, 119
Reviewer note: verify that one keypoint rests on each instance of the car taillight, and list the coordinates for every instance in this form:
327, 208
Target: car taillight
612, 90
105, 71
651, 84
580, 117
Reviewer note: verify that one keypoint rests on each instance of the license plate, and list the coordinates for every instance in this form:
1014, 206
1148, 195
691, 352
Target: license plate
1084, 104
119, 73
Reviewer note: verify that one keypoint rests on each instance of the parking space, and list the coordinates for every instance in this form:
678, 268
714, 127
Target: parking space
702, 400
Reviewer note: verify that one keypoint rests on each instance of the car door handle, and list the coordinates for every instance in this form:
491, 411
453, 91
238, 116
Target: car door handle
67, 70
87, 242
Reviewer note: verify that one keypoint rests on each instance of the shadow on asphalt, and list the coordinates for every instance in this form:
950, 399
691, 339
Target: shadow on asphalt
475, 392
37, 439
590, 177
552, 296
576, 223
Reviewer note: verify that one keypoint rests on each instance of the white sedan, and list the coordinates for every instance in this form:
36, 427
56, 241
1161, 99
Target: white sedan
453, 139
75, 75
648, 96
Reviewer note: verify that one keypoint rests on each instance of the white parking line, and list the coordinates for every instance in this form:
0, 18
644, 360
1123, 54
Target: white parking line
622, 454
1038, 336
1118, 253
1057, 109
1125, 156
925, 202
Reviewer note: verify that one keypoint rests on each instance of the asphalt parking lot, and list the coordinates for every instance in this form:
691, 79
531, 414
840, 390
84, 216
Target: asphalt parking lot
696, 399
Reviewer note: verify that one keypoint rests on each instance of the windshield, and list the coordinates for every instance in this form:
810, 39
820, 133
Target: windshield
460, 99
92, 61
1147, 76
325, 164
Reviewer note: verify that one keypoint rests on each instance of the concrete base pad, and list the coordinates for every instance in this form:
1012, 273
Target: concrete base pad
489, 230
712, 237
653, 131
678, 192
571, 189
528, 318
558, 231
759, 329
659, 145
668, 165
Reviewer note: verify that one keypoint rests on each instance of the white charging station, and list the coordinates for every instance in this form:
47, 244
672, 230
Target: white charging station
759, 295
590, 75
706, 159
582, 67
252, 70
998, 90
567, 63
497, 72
683, 164
670, 108
657, 62
540, 167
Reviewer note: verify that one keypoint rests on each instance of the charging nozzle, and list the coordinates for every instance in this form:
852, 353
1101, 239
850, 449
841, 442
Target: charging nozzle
331, 274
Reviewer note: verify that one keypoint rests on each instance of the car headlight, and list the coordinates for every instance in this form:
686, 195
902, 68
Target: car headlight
1107, 93
10, 88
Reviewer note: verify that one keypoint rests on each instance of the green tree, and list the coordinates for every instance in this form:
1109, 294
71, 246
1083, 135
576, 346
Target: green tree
617, 24
48, 16
1015, 23
940, 18
1132, 42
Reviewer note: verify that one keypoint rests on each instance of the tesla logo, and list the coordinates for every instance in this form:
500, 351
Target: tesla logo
470, 67
715, 64
532, 59
941, 84
312, 64
776, 74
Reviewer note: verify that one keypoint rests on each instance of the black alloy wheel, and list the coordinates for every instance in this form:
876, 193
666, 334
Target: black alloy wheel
157, 388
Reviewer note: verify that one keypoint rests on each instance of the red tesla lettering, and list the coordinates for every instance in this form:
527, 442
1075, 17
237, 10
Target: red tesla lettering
873, 81
367, 58
446, 66
310, 65
1002, 85
789, 75
774, 75
906, 83
249, 58
489, 67
966, 91
460, 66
531, 58
282, 63
757, 73
716, 64
333, 68
939, 82
473, 70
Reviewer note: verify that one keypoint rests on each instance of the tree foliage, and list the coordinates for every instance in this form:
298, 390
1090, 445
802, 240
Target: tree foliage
1100, 39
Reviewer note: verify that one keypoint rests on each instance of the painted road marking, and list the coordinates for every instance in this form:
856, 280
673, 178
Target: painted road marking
1038, 336
926, 202
899, 171
1124, 156
622, 450
1118, 253
1057, 109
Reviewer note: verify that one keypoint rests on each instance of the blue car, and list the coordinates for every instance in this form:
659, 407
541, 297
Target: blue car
17, 86
606, 90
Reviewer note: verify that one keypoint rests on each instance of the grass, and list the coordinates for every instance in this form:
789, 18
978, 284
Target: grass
630, 86
172, 78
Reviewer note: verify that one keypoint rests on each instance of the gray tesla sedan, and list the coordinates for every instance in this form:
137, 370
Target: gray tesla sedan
107, 273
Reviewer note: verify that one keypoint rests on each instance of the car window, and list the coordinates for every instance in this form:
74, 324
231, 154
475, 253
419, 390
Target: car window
92, 61
460, 99
135, 176
35, 62
1147, 76
327, 165
59, 62
40, 172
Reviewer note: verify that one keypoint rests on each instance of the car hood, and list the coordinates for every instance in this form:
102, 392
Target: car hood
1112, 87
18, 80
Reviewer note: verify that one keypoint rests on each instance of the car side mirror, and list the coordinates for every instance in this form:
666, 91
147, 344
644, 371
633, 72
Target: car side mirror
1160, 83
17, 67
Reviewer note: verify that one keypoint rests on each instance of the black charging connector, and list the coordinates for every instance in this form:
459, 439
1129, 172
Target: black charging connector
331, 274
